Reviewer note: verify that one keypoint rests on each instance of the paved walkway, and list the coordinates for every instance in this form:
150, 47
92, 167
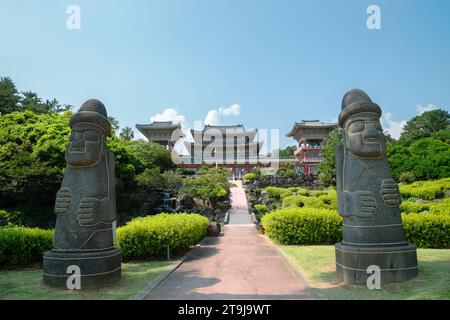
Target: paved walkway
240, 264
239, 207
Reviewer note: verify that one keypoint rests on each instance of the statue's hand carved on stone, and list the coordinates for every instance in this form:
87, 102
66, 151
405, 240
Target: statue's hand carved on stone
63, 201
88, 210
364, 204
390, 193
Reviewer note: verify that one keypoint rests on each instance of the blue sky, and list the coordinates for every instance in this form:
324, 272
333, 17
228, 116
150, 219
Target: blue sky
279, 61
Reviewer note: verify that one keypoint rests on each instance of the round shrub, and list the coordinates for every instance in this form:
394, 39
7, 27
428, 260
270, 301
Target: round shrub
303, 226
250, 176
427, 230
278, 193
149, 236
20, 246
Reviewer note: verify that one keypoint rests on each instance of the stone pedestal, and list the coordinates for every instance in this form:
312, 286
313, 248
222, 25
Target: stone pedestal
396, 263
98, 268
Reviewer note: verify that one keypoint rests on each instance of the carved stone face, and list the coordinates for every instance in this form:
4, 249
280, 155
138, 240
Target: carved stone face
86, 145
364, 135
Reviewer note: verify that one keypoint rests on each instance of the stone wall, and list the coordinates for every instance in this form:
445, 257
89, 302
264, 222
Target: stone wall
256, 194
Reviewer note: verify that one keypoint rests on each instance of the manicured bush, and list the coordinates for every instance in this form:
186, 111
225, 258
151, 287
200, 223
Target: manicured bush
261, 210
250, 176
295, 225
414, 207
427, 230
303, 226
322, 202
149, 236
442, 207
278, 193
20, 246
426, 190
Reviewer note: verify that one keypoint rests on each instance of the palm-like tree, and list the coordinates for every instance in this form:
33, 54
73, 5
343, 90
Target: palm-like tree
127, 133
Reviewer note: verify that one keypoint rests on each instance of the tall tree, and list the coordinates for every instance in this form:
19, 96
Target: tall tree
425, 125
127, 133
9, 96
31, 102
327, 168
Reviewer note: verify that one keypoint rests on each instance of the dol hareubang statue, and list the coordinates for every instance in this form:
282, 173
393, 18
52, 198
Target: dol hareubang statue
86, 205
368, 199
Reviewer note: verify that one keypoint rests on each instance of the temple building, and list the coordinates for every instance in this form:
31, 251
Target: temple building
226, 146
310, 136
164, 133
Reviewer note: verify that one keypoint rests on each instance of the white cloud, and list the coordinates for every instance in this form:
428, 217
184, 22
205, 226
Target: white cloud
423, 108
233, 110
169, 114
214, 116
395, 128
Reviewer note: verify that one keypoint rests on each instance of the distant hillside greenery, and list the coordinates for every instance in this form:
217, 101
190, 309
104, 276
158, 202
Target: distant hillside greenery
421, 153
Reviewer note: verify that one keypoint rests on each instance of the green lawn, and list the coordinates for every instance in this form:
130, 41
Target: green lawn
27, 284
316, 265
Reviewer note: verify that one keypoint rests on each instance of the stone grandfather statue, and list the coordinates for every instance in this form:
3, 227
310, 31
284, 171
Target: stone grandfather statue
368, 199
86, 206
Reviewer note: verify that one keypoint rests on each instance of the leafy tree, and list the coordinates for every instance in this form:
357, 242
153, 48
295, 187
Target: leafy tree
9, 96
127, 133
327, 168
425, 125
32, 163
287, 152
208, 187
114, 124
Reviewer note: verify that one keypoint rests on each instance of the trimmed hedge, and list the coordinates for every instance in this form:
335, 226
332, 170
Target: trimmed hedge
20, 246
426, 190
442, 207
303, 226
427, 230
149, 236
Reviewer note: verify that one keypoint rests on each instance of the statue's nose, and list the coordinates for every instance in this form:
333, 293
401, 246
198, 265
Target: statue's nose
78, 141
369, 130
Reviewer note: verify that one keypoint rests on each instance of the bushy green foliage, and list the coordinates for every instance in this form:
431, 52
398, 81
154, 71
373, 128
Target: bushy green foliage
286, 170
210, 187
32, 162
442, 207
414, 207
424, 159
427, 230
303, 226
425, 125
278, 193
426, 190
261, 210
32, 148
321, 202
149, 236
250, 176
295, 225
327, 168
21, 246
